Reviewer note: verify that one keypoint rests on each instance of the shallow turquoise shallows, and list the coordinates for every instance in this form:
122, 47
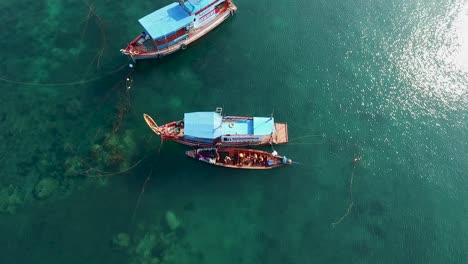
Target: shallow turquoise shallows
375, 94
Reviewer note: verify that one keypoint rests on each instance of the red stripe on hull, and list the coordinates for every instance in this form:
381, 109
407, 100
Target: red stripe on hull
206, 7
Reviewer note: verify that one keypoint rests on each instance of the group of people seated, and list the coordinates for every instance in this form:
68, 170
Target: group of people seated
246, 159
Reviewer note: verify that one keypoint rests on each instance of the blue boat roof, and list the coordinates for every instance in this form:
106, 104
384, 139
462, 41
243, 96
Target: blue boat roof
238, 127
166, 20
203, 125
194, 6
263, 126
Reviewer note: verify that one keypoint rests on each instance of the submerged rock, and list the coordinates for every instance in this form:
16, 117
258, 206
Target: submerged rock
121, 240
10, 199
171, 220
68, 148
145, 247
74, 108
73, 167
45, 188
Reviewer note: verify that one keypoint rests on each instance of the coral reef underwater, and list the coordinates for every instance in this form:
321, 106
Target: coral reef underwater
158, 243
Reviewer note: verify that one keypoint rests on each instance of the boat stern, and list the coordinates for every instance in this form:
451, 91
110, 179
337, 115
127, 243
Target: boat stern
281, 133
286, 161
232, 7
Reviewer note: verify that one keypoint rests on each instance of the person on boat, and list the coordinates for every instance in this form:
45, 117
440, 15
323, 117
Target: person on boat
247, 160
252, 160
227, 160
241, 157
144, 35
180, 124
274, 153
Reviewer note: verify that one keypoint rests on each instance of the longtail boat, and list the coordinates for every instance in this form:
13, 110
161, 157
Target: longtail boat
212, 129
239, 158
176, 26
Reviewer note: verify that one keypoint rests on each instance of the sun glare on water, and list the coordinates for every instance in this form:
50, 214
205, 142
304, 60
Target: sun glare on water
433, 59
460, 56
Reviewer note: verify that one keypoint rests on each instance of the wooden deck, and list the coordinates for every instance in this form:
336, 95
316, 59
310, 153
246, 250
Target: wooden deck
281, 133
280, 136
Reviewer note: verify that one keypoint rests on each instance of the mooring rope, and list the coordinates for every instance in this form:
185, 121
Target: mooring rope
351, 200
106, 174
306, 136
65, 83
50, 84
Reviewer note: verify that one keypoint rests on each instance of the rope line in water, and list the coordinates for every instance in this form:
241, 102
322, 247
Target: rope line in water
137, 205
105, 174
306, 136
308, 143
97, 58
50, 84
351, 202
64, 83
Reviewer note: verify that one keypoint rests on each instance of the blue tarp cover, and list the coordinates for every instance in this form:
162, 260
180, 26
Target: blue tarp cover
203, 125
165, 21
194, 6
263, 126
239, 127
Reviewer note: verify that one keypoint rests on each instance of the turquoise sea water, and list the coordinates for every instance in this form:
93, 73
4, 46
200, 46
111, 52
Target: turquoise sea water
386, 81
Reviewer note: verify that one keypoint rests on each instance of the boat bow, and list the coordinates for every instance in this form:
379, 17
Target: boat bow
152, 124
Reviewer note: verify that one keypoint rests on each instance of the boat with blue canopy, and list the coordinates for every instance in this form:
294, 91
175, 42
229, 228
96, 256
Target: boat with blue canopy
213, 129
176, 26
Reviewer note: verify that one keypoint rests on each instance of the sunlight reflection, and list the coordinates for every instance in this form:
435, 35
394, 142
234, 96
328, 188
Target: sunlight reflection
460, 57
434, 60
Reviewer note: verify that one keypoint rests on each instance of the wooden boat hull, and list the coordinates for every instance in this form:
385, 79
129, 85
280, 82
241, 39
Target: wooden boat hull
136, 52
239, 158
175, 131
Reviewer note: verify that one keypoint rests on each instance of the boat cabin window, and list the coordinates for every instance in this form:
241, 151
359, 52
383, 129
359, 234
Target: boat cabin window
170, 34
